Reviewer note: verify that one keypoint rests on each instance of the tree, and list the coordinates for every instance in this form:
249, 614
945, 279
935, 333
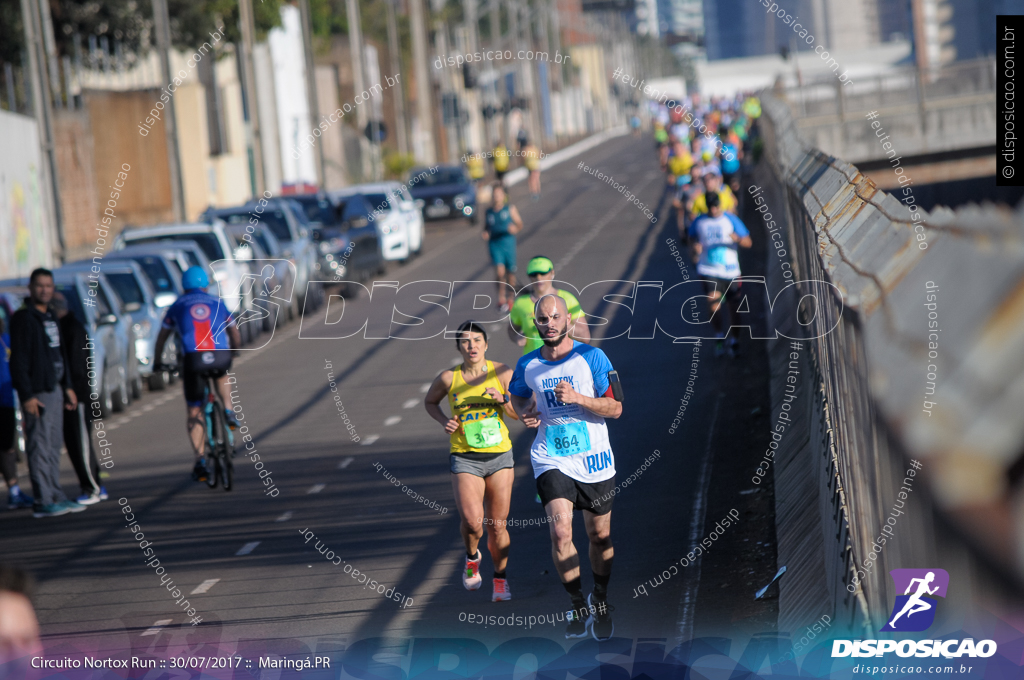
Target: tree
130, 23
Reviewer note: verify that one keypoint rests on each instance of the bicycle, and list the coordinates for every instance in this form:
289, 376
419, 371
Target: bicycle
220, 442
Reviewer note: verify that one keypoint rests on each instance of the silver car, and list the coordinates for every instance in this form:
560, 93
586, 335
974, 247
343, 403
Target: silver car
139, 301
264, 245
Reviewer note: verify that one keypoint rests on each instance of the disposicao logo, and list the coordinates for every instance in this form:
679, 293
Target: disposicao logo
914, 611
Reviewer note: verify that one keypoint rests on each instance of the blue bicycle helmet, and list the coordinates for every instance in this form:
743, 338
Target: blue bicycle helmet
195, 277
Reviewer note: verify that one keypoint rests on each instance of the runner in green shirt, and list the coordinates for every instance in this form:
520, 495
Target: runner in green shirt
522, 329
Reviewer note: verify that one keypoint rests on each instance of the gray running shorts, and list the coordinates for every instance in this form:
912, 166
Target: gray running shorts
481, 464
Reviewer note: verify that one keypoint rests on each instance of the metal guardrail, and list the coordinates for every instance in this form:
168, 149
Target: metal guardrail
867, 383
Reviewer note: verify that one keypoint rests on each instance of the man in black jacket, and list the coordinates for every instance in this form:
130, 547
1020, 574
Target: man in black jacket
78, 423
38, 371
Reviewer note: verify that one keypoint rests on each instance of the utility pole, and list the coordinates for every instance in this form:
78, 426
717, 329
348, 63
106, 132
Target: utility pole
162, 26
494, 13
311, 93
43, 113
248, 22
355, 42
50, 43
476, 135
396, 66
424, 109
529, 84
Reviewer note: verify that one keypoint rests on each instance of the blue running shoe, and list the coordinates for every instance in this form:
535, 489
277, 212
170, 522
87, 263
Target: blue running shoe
19, 500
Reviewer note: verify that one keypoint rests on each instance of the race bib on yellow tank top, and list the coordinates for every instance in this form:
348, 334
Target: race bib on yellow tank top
483, 433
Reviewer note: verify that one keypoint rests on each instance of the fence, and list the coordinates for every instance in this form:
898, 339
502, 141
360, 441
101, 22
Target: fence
863, 386
942, 110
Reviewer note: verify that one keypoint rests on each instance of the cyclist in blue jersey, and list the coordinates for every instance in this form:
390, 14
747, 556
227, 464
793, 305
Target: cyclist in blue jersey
208, 334
563, 390
715, 237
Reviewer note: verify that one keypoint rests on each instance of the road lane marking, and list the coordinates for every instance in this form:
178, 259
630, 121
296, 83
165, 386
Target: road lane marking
285, 517
345, 463
410, 403
155, 628
589, 236
204, 586
424, 388
392, 420
316, 488
247, 548
370, 439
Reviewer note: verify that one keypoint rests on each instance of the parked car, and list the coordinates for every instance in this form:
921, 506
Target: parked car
112, 353
138, 300
320, 209
264, 246
161, 271
347, 242
394, 205
392, 227
279, 215
229, 271
355, 241
446, 192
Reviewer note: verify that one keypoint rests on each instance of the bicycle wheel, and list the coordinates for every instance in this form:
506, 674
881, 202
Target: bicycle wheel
211, 470
216, 419
226, 471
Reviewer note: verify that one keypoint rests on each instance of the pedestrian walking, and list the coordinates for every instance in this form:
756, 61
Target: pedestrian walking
78, 422
39, 374
16, 498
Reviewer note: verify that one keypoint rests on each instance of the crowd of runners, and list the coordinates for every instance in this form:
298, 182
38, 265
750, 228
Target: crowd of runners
702, 178
562, 386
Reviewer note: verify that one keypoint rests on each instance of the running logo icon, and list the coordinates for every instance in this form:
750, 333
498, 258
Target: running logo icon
914, 610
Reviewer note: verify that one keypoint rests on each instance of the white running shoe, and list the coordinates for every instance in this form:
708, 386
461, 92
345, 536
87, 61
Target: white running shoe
471, 574
501, 592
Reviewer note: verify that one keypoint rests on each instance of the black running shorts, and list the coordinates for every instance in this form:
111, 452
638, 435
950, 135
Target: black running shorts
723, 286
197, 366
596, 498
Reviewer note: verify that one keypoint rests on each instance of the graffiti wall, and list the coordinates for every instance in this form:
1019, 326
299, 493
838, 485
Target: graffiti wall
26, 227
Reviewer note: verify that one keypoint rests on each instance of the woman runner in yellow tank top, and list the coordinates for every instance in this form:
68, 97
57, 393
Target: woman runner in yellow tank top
481, 452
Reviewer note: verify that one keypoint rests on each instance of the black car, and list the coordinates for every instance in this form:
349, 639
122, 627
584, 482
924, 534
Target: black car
348, 247
446, 191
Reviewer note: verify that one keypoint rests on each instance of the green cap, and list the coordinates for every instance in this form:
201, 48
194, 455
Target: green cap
539, 265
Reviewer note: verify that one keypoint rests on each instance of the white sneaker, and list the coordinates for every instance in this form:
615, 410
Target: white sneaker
501, 592
88, 499
471, 574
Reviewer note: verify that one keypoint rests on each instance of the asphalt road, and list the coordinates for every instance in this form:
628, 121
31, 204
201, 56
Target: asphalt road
95, 591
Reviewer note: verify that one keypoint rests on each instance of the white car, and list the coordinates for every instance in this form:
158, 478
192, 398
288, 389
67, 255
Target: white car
399, 222
229, 270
